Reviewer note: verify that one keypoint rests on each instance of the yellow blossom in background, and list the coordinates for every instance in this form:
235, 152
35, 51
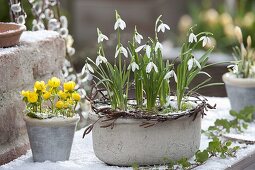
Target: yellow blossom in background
46, 95
185, 23
24, 93
62, 95
40, 85
70, 101
69, 86
59, 104
76, 96
211, 16
32, 97
54, 82
226, 19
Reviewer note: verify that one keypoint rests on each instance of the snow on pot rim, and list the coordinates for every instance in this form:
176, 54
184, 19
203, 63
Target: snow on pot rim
231, 79
52, 122
7, 28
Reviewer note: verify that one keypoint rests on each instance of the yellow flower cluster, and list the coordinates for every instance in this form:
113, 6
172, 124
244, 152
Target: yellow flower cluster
62, 98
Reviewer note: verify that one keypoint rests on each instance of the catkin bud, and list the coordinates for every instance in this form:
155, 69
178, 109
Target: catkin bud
238, 34
249, 41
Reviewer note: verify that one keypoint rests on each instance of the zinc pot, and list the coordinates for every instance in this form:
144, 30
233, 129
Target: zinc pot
240, 91
51, 139
128, 143
10, 33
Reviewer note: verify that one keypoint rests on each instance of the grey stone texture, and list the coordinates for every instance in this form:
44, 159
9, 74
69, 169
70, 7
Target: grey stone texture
51, 139
128, 143
39, 56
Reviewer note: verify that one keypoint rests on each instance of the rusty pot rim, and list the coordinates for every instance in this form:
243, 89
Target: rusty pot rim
20, 28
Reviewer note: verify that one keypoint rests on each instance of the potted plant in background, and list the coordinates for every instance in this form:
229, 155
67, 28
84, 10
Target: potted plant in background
50, 119
157, 122
240, 81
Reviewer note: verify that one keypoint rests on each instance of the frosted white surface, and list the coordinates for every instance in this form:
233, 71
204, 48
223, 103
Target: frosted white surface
82, 155
29, 37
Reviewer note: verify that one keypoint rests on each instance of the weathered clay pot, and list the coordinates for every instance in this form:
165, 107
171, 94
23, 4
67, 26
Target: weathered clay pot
128, 143
51, 139
241, 91
10, 33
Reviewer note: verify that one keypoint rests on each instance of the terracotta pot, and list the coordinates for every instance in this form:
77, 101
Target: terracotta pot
241, 91
10, 34
128, 143
51, 139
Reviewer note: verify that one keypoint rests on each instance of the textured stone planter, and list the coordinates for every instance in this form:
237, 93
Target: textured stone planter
10, 33
51, 139
241, 92
127, 143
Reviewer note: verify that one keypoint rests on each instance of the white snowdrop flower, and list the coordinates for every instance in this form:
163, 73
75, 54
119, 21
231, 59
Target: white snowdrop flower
121, 50
192, 38
31, 1
171, 102
63, 32
162, 27
119, 24
101, 37
133, 66
16, 7
151, 66
100, 59
70, 51
63, 21
21, 20
86, 67
234, 68
49, 14
191, 63
206, 40
147, 49
158, 46
138, 37
171, 74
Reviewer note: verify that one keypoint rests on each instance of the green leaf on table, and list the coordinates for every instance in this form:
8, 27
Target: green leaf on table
201, 157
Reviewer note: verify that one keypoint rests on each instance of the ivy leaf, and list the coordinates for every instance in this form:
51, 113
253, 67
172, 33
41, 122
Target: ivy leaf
184, 163
201, 157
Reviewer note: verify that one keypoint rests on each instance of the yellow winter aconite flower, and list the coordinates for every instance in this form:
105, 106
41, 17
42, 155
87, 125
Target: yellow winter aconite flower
32, 97
24, 93
62, 95
66, 105
69, 86
46, 95
54, 82
59, 104
40, 85
76, 96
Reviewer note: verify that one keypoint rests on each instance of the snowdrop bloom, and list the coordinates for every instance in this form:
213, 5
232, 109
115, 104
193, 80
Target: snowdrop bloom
234, 68
52, 2
171, 102
100, 59
16, 7
192, 38
87, 67
121, 50
119, 24
162, 27
206, 40
133, 66
171, 74
151, 66
21, 20
147, 48
101, 37
191, 63
138, 37
158, 46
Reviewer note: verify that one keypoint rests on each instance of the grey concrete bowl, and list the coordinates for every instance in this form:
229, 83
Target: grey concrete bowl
51, 139
127, 143
241, 91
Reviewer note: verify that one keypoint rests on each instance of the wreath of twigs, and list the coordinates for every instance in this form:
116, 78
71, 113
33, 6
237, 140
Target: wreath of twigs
109, 116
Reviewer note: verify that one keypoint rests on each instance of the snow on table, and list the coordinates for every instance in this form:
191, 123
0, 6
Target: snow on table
83, 157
